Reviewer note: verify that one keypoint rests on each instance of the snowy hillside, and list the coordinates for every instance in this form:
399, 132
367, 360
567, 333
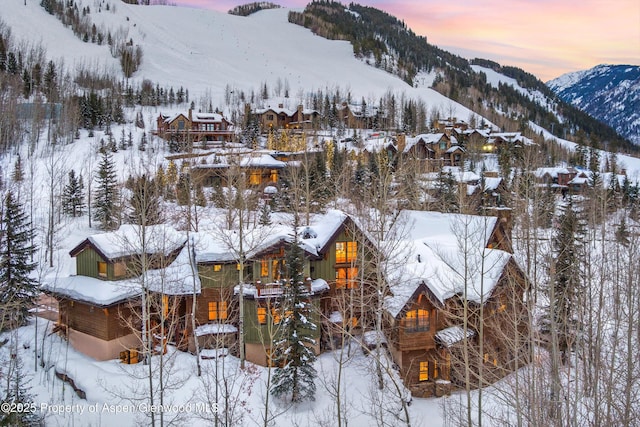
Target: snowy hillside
495, 79
610, 93
204, 51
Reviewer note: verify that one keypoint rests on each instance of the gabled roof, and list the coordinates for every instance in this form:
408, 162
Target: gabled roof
127, 241
220, 246
176, 279
448, 254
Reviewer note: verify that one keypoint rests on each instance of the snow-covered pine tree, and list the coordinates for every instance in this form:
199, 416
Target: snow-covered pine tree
73, 195
265, 215
105, 201
295, 375
565, 295
18, 290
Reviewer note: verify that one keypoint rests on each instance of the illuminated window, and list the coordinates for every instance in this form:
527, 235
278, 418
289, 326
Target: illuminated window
273, 177
435, 369
276, 315
255, 178
102, 269
119, 269
486, 358
217, 267
217, 310
346, 277
417, 320
346, 252
264, 268
165, 305
354, 322
262, 315
275, 270
238, 266
424, 371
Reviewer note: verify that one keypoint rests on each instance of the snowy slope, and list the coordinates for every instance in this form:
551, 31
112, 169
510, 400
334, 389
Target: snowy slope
204, 51
495, 79
610, 93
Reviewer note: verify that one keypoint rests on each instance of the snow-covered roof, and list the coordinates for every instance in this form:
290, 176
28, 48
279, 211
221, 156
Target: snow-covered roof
221, 245
179, 278
446, 252
93, 291
127, 241
427, 138
215, 328
492, 184
452, 335
261, 161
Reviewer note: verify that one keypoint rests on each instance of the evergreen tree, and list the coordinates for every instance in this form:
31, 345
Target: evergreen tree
447, 192
73, 196
566, 286
142, 146
18, 174
105, 202
18, 291
295, 375
265, 215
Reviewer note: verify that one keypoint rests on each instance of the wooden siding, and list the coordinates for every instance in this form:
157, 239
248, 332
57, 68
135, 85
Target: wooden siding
257, 333
227, 277
87, 264
104, 323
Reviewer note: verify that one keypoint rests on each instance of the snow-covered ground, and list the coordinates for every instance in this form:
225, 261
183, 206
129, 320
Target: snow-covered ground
115, 392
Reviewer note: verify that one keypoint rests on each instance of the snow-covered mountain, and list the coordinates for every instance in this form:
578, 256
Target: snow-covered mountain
610, 93
211, 53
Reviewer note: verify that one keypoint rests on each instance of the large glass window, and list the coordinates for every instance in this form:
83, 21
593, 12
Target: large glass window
264, 268
262, 315
346, 252
346, 277
255, 178
424, 371
417, 320
217, 310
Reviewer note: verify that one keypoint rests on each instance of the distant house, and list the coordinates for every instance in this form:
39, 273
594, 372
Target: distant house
259, 169
276, 118
360, 116
426, 322
438, 147
194, 127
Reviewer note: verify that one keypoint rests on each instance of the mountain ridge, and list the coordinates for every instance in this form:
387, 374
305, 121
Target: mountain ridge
610, 93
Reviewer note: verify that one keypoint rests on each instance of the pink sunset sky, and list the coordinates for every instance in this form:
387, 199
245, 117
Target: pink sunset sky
544, 37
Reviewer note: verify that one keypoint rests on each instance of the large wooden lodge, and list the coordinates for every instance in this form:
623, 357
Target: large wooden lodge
100, 306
